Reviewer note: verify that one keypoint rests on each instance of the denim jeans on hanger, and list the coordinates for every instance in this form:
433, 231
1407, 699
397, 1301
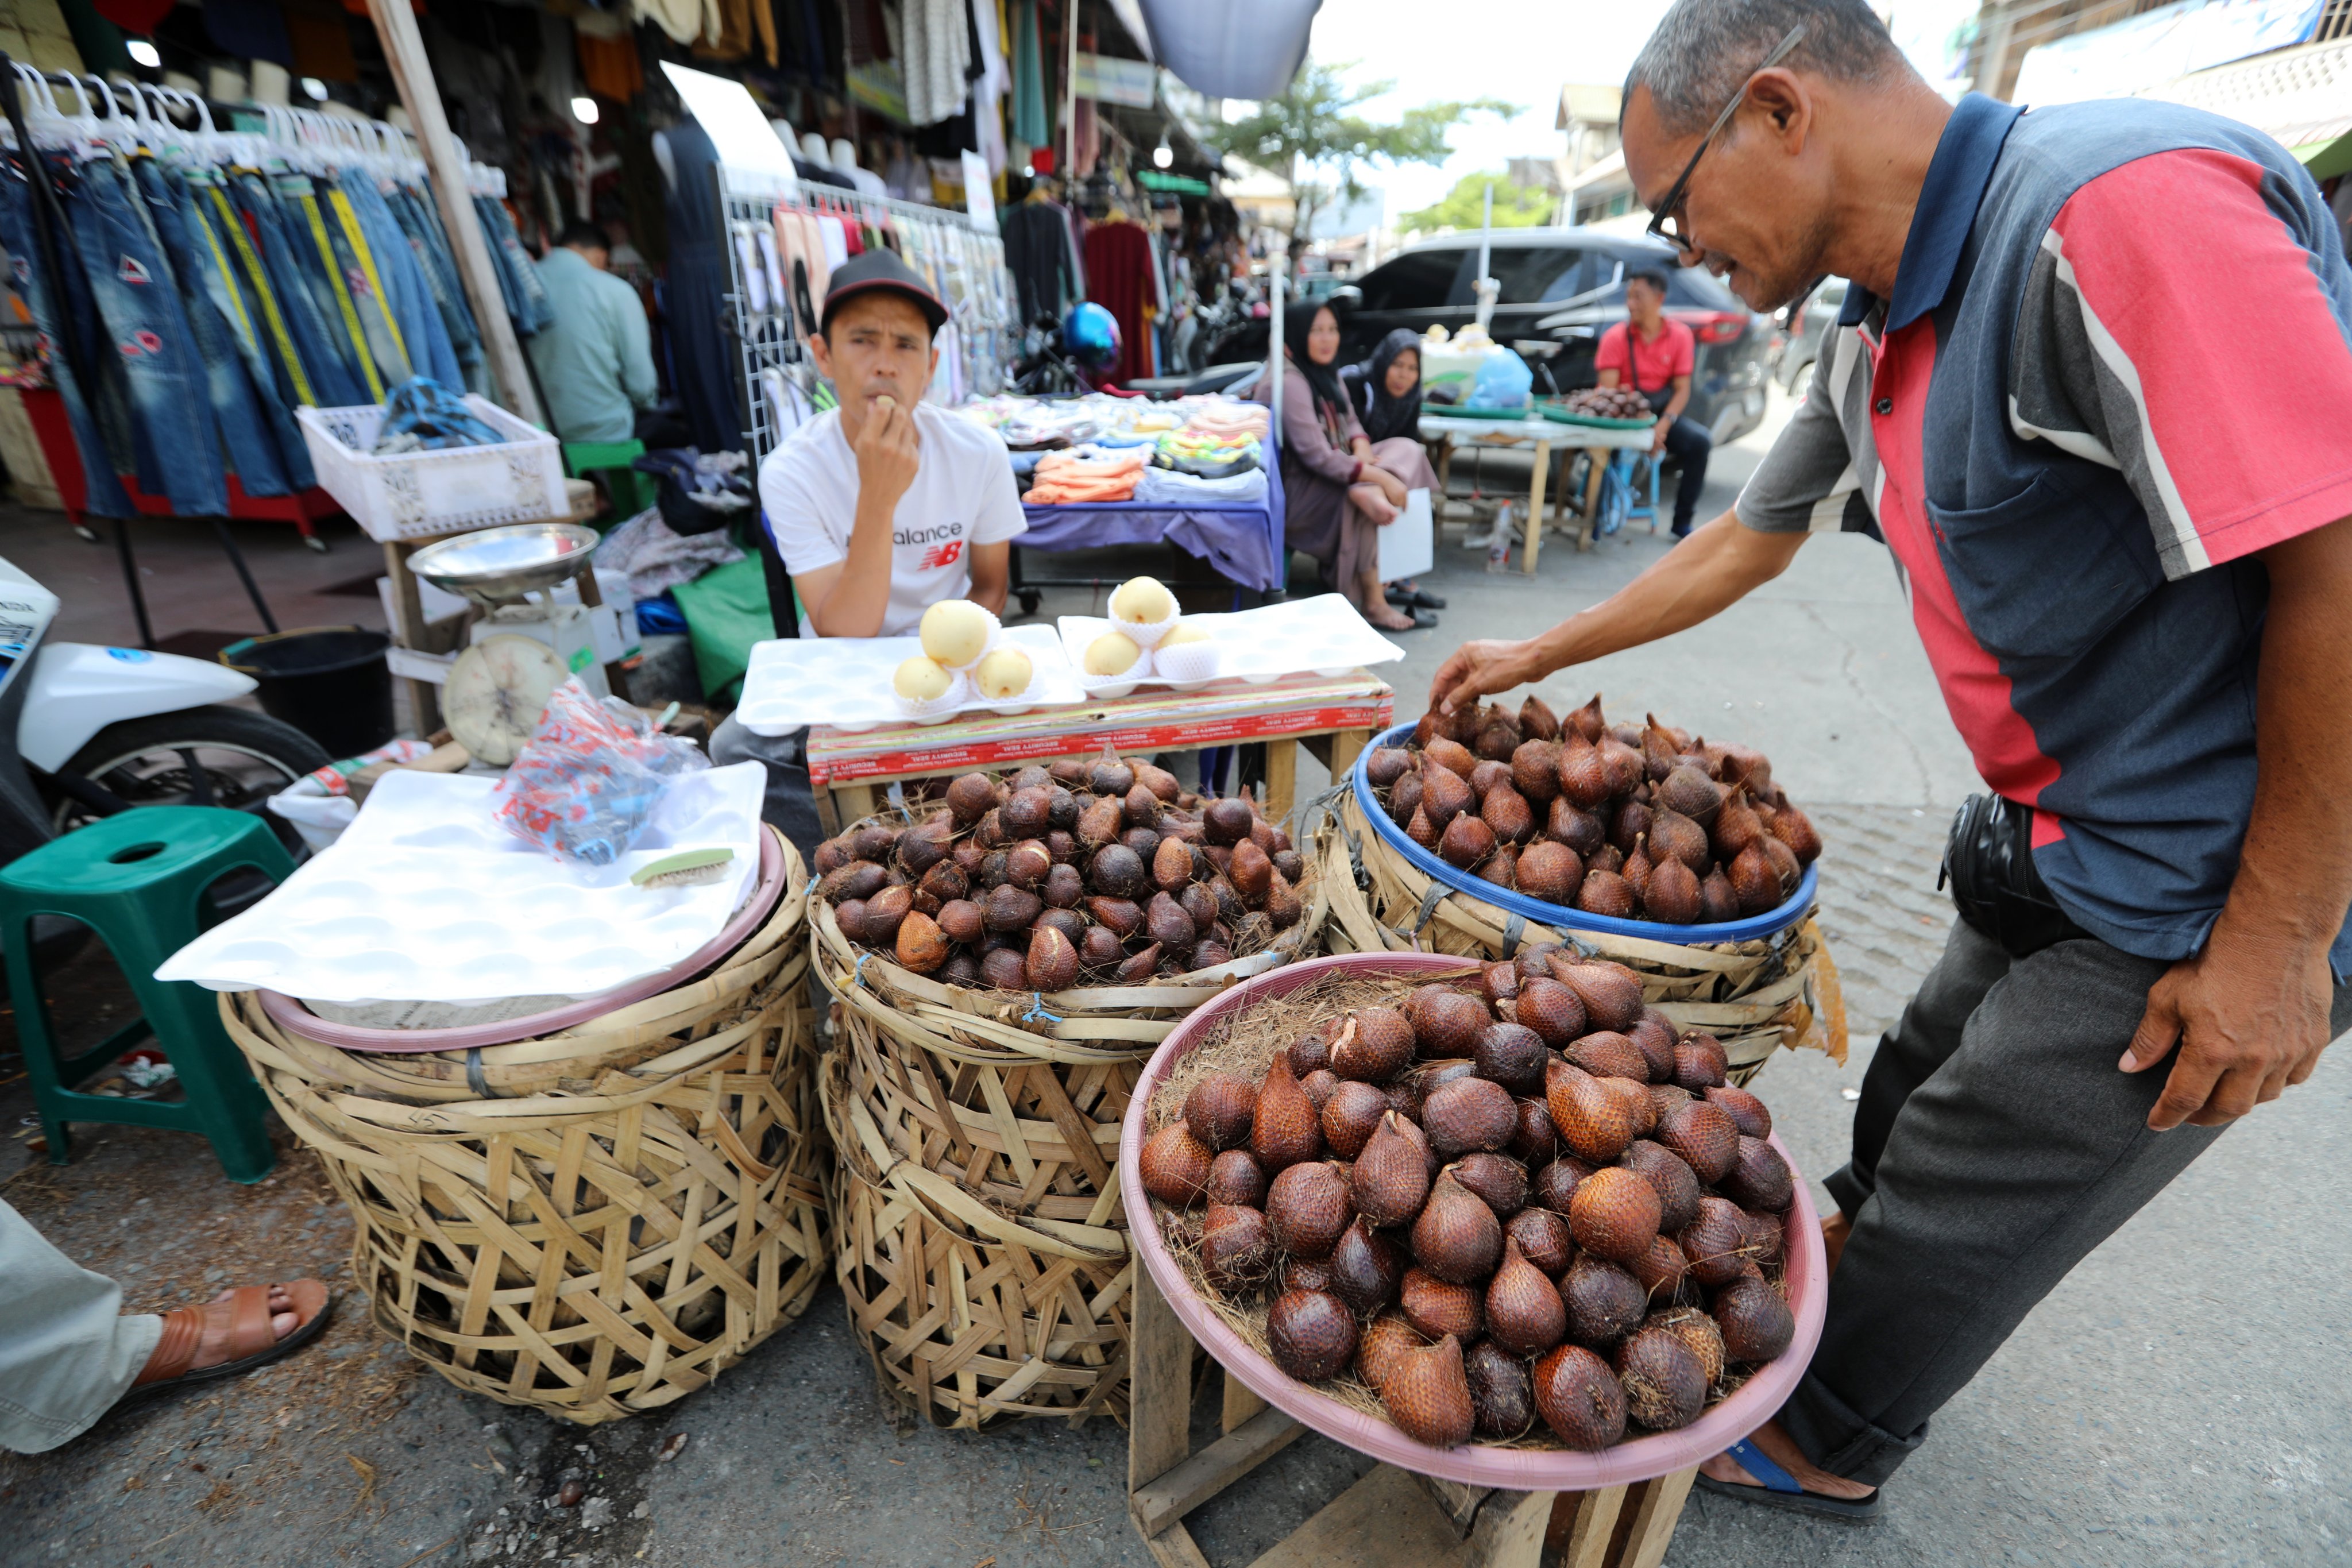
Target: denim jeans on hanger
264, 329
407, 293
253, 446
332, 276
332, 381
363, 281
174, 436
527, 300
103, 493
415, 214
248, 321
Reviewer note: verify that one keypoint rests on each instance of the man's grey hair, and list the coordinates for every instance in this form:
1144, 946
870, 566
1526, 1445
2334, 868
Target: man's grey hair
1703, 49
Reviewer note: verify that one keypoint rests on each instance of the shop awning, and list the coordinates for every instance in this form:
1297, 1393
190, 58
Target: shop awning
1230, 48
2154, 48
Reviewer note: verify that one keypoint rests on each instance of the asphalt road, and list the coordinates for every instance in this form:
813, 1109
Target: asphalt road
2178, 1401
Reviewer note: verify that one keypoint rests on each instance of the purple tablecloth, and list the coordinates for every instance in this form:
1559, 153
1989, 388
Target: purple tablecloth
1238, 540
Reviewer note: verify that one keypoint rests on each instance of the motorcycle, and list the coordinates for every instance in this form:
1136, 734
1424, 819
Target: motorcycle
87, 731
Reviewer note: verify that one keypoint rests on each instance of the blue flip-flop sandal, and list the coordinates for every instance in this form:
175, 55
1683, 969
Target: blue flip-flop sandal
1780, 1490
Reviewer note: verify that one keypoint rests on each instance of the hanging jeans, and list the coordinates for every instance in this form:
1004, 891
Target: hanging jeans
353, 319
407, 294
422, 223
248, 435
220, 258
102, 490
172, 432
327, 377
527, 300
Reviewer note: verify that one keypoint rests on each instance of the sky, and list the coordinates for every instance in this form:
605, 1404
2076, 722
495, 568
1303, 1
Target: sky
1522, 51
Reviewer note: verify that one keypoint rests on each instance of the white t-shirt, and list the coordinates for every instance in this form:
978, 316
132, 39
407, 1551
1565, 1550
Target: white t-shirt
963, 495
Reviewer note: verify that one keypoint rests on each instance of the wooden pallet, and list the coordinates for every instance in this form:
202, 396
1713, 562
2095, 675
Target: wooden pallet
1391, 1519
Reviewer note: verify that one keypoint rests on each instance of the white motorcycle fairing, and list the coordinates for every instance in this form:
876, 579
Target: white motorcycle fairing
76, 690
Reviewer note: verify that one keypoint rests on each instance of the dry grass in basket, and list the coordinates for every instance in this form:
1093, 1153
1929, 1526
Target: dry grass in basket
1243, 1043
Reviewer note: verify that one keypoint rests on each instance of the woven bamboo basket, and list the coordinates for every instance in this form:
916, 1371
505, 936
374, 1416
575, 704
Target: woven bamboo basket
634, 1204
1756, 997
972, 1316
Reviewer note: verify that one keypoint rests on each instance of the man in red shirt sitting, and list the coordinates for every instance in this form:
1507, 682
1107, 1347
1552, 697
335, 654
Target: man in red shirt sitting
1662, 358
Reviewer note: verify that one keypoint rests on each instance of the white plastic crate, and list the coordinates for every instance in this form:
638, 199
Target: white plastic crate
416, 494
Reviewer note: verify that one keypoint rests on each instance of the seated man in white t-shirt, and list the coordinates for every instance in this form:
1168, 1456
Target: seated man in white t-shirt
882, 507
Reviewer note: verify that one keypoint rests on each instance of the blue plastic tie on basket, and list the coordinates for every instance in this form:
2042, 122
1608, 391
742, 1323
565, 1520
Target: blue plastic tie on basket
1559, 918
1037, 1012
858, 975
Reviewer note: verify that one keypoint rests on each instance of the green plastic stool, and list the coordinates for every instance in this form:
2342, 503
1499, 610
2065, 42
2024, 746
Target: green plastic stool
631, 491
137, 879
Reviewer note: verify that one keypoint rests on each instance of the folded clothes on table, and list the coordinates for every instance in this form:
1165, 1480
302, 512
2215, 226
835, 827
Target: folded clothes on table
1173, 487
1087, 474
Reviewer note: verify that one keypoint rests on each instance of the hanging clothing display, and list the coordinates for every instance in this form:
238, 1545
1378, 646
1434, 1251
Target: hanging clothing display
1030, 123
1121, 280
701, 361
213, 297
935, 50
1037, 246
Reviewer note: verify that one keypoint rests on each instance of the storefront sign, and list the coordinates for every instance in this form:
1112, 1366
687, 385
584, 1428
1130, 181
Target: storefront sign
1105, 80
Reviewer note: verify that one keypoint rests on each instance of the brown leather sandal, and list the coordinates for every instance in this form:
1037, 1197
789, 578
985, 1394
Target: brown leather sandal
250, 1341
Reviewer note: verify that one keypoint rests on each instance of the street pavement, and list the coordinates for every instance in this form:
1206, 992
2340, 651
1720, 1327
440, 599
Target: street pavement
2177, 1401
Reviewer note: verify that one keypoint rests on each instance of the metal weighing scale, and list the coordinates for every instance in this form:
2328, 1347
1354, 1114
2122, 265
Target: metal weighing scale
521, 648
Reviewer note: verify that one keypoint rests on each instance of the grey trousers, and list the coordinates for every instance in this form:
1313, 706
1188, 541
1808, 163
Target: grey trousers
1995, 1144
66, 1353
790, 805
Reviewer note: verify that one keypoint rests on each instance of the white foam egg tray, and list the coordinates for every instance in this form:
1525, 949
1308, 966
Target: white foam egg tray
1322, 636
845, 682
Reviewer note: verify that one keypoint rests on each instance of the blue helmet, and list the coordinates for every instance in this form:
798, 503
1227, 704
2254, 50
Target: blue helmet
1090, 335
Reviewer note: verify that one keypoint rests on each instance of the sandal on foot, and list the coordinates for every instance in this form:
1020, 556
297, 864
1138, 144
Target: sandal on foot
1780, 1489
251, 1343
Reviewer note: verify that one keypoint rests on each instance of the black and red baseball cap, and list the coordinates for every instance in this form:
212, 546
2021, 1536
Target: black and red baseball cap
880, 269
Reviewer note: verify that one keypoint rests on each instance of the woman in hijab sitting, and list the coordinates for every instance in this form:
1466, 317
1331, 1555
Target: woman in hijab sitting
1338, 485
1385, 392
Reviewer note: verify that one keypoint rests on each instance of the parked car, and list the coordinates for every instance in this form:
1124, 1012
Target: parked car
1798, 344
1558, 290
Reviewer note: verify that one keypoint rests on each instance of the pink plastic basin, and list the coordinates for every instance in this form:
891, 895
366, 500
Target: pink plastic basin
1515, 1469
290, 1013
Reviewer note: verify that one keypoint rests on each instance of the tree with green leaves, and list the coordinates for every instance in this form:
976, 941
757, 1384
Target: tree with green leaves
1313, 137
1464, 206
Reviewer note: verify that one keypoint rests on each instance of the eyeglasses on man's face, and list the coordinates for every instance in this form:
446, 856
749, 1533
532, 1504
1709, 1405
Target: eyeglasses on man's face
1668, 224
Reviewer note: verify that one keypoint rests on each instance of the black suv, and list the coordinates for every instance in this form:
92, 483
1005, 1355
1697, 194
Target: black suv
1558, 288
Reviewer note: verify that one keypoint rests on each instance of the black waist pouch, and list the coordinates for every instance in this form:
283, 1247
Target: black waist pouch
1988, 866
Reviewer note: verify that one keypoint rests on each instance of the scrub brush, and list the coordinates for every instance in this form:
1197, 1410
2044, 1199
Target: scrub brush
687, 869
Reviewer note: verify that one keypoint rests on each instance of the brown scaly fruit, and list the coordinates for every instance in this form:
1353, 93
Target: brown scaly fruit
1715, 1243
1511, 1055
920, 946
1451, 756
1306, 1274
1308, 1206
1687, 790
1175, 1166
1436, 1308
1502, 1400
1235, 1180
1664, 1384
1755, 885
1749, 1114
1701, 1063
1660, 1270
1535, 771
1718, 902
1587, 721
1445, 1022
1755, 1320
1552, 1010
1580, 1398
1660, 750
1612, 994
1554, 1185
1311, 1335
1636, 1094
1486, 775
1669, 1177
1467, 841
1237, 1250
1499, 1182
1383, 765
1389, 1183
1795, 829
1637, 868
1372, 1045
1544, 1238
1628, 824
1605, 1053
1427, 1394
1456, 1236
1405, 798
1614, 1215
1672, 894
1605, 893
1524, 1314
1382, 1338
1698, 1334
1350, 1117
1366, 1267
1736, 825
1704, 1135
1767, 1237
1219, 1110
1468, 1113
1783, 861
1759, 1178
1653, 1034
1604, 1302
1591, 1120
1583, 776
1536, 1142
1550, 872
1003, 969
1284, 1129
1444, 793
1536, 720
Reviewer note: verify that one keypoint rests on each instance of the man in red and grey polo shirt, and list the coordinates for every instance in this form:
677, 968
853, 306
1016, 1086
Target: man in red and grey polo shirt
2090, 389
